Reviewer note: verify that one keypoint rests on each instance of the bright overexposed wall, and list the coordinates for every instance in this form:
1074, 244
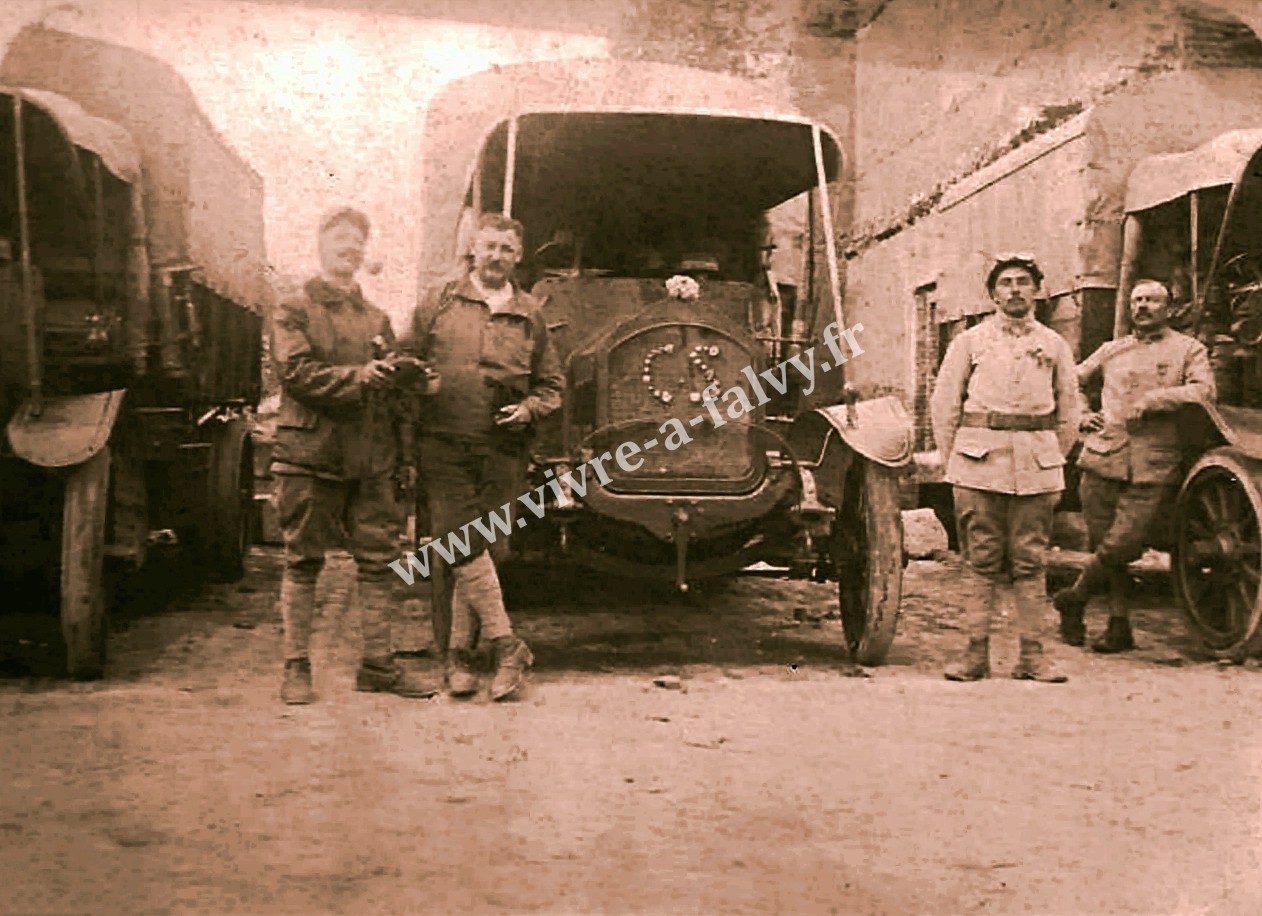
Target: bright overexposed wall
324, 104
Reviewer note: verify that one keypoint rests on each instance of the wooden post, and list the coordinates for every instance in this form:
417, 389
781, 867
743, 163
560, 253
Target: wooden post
826, 215
34, 370
510, 167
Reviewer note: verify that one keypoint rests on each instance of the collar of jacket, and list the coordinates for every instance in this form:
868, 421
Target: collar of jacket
466, 290
1017, 327
1151, 336
322, 292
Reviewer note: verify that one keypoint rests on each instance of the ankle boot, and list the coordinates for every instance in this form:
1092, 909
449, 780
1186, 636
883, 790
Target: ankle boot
975, 664
1073, 626
1117, 638
1033, 665
461, 681
1071, 603
512, 658
295, 688
376, 675
417, 675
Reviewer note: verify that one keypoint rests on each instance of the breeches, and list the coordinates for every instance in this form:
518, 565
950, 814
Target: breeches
1001, 534
1119, 515
464, 482
317, 515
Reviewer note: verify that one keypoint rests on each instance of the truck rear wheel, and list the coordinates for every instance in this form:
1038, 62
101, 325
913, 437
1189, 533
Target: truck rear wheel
867, 556
1217, 556
230, 501
83, 593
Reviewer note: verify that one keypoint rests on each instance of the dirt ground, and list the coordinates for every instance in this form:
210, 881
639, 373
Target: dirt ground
775, 780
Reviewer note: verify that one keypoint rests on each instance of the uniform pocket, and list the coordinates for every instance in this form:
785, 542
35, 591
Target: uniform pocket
1103, 446
973, 450
294, 415
1049, 456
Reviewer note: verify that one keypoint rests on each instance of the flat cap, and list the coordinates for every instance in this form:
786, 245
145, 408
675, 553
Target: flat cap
356, 218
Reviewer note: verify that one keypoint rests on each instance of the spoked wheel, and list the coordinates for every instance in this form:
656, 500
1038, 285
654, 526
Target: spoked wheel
1218, 552
867, 555
83, 592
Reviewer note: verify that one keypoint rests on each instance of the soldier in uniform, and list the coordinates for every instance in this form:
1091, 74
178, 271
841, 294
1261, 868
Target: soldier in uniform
1005, 413
489, 343
1131, 456
335, 458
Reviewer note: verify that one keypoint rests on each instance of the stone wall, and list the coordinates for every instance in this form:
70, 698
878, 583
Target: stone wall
938, 81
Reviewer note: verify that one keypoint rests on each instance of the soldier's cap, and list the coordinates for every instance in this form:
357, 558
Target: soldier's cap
1016, 259
356, 218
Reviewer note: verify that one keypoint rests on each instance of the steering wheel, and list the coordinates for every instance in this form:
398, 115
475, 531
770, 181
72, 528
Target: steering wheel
1242, 279
1241, 273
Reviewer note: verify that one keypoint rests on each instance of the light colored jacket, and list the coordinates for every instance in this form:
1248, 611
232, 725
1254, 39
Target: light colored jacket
1145, 380
1008, 367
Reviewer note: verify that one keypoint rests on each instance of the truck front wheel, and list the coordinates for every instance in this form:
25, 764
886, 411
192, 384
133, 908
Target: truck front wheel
230, 501
83, 594
867, 555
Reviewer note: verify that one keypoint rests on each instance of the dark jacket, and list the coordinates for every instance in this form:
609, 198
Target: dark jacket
330, 424
485, 361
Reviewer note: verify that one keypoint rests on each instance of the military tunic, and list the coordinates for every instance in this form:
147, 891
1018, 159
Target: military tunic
335, 448
1005, 411
1131, 465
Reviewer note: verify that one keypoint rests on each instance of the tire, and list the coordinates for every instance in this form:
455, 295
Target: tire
867, 554
1217, 553
83, 593
230, 501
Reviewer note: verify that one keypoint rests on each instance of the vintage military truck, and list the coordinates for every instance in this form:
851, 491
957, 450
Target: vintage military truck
624, 175
1102, 199
131, 289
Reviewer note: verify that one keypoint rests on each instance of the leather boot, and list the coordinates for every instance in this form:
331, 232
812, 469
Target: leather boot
1033, 665
1071, 603
376, 675
1117, 638
512, 658
295, 689
417, 675
461, 681
975, 664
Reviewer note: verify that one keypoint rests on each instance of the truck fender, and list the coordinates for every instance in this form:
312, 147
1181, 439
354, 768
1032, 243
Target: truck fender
827, 439
69, 430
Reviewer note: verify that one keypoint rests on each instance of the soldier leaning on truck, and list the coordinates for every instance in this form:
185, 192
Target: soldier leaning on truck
1131, 456
335, 457
1005, 413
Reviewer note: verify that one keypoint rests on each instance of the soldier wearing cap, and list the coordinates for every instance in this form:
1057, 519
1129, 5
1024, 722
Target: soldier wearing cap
1005, 413
1131, 456
335, 457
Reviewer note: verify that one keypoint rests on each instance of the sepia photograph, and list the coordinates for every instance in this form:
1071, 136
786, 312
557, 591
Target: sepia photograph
631, 457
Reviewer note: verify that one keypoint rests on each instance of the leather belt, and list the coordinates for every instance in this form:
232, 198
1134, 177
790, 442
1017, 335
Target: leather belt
1017, 422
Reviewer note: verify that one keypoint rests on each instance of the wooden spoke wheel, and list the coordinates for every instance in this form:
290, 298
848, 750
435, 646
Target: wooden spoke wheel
867, 555
83, 592
1217, 554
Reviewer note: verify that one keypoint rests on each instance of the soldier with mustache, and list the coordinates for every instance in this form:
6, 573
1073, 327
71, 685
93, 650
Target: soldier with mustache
1005, 413
488, 341
1131, 456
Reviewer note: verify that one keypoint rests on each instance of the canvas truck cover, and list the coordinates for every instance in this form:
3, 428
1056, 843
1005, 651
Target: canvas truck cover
1159, 179
204, 204
462, 114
